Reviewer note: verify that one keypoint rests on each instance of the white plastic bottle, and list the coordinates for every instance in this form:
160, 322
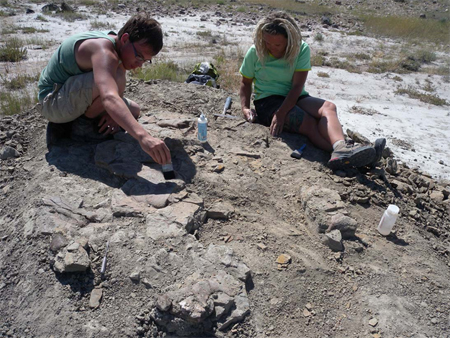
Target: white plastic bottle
202, 126
388, 220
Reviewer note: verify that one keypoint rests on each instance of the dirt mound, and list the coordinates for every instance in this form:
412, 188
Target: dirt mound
236, 245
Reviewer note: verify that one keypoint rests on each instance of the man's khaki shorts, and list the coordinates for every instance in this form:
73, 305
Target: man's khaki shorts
70, 100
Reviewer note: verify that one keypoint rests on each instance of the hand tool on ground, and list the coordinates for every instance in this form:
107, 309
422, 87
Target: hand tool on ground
298, 152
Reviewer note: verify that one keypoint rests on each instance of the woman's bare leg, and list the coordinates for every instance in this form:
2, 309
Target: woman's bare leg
325, 112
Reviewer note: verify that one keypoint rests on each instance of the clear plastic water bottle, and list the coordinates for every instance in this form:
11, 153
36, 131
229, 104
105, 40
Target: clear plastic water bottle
388, 220
202, 126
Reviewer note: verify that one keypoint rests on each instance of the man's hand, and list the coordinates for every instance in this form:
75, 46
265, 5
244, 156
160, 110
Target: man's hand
249, 114
156, 148
276, 127
108, 125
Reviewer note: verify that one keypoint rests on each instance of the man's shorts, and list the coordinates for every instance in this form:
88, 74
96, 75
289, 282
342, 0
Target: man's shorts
267, 107
70, 100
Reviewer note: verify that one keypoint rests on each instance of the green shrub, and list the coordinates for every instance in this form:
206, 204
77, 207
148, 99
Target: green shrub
13, 51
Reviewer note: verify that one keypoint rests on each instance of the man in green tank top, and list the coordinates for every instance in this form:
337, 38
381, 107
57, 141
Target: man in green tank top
86, 77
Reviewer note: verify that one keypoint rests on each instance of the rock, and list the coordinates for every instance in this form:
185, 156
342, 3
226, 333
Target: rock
178, 124
66, 8
373, 322
29, 11
75, 261
346, 225
402, 187
146, 283
283, 259
391, 166
318, 203
164, 303
73, 247
220, 210
357, 137
8, 152
242, 310
135, 276
94, 300
50, 8
326, 20
58, 242
437, 196
334, 240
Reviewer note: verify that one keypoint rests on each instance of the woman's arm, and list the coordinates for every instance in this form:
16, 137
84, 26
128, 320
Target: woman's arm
245, 93
298, 82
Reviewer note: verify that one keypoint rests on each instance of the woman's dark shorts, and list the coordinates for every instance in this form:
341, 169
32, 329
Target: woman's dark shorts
267, 107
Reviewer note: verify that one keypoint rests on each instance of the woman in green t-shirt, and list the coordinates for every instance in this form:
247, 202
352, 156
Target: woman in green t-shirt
277, 65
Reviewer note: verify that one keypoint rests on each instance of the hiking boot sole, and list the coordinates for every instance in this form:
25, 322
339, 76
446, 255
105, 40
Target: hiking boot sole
360, 158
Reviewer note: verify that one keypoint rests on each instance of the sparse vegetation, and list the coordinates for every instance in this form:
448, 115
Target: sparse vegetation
163, 70
409, 29
70, 16
31, 30
19, 82
397, 78
424, 97
41, 18
96, 24
13, 51
15, 103
318, 37
323, 74
206, 33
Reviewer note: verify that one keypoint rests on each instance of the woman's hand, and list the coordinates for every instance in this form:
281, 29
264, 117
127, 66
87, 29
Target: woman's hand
108, 125
276, 127
249, 114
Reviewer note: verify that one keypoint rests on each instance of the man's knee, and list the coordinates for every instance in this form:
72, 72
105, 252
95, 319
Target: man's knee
134, 108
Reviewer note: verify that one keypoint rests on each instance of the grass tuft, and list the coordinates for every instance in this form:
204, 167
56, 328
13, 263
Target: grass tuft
15, 103
13, 51
424, 97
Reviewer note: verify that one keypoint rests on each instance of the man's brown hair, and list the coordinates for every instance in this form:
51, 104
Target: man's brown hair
143, 27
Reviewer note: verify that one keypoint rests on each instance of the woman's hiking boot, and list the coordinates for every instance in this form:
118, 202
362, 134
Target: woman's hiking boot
346, 156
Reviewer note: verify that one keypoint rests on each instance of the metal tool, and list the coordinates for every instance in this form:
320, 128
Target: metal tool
103, 269
227, 105
298, 152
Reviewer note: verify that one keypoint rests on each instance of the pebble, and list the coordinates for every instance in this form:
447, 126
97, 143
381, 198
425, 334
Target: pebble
373, 322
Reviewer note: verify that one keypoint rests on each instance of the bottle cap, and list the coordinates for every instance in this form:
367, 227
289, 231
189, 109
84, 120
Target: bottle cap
393, 209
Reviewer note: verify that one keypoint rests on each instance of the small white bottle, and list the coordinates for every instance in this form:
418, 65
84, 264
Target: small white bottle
388, 220
202, 125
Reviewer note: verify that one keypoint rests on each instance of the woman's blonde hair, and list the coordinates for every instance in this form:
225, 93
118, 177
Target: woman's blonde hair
278, 23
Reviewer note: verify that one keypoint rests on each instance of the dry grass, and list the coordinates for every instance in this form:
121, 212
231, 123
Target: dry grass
424, 97
162, 70
409, 29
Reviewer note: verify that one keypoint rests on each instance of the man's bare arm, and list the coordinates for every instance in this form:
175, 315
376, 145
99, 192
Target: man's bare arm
104, 64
